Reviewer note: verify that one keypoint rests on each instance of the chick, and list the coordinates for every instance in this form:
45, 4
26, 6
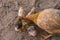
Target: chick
48, 20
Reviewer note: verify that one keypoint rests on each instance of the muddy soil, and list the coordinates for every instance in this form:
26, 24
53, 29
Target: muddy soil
8, 15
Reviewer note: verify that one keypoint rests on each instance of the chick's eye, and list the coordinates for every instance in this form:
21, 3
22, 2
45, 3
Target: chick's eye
19, 25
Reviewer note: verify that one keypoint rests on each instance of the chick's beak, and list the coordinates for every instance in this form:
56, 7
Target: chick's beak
16, 29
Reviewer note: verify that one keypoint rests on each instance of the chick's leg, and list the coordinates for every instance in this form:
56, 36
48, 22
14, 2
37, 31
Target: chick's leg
21, 12
31, 12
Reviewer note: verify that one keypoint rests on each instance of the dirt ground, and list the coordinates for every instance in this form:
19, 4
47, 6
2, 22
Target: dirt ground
8, 15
